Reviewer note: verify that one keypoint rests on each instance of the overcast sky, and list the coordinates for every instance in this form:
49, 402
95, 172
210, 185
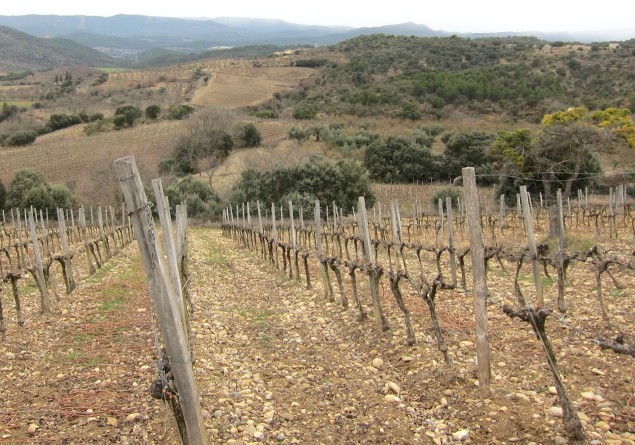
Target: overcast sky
447, 15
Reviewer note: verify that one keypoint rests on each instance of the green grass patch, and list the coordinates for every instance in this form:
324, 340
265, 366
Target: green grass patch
112, 304
616, 292
73, 355
19, 102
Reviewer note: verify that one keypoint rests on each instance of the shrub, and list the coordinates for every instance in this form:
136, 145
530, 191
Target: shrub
21, 138
153, 111
250, 136
200, 198
452, 192
265, 114
304, 110
178, 112
60, 120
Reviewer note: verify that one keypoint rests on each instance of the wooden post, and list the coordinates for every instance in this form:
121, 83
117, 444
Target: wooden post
165, 301
274, 235
529, 228
501, 211
561, 245
373, 272
470, 191
328, 289
82, 223
38, 273
448, 204
66, 260
163, 209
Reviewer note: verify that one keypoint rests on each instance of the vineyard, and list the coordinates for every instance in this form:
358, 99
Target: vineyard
405, 266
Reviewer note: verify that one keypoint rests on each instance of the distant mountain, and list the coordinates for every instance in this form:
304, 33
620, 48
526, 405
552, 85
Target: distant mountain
130, 35
20, 51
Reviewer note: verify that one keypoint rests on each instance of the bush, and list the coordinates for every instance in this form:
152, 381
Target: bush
265, 114
96, 117
298, 134
153, 111
178, 112
60, 120
399, 159
200, 198
342, 183
250, 136
21, 138
304, 110
48, 197
452, 192
126, 116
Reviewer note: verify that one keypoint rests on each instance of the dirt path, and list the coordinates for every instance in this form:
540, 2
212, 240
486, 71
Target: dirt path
276, 363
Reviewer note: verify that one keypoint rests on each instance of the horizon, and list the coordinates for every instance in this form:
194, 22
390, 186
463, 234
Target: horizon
487, 16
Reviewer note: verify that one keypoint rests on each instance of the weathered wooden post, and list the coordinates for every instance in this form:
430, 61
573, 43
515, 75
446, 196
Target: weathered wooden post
165, 301
478, 277
374, 272
163, 209
529, 228
450, 216
328, 289
38, 272
67, 265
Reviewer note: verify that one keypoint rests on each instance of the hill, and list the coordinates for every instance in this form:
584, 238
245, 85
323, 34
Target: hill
20, 51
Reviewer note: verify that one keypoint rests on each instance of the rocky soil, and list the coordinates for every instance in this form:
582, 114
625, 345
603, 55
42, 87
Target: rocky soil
277, 363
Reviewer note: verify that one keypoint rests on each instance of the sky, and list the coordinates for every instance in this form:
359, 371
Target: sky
446, 15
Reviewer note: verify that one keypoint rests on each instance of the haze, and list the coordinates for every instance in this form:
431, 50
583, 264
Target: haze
616, 17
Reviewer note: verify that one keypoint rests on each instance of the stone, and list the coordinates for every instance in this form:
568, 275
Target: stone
342, 346
461, 435
392, 386
602, 425
32, 428
111, 421
561, 440
588, 395
555, 411
132, 417
392, 398
407, 359
378, 363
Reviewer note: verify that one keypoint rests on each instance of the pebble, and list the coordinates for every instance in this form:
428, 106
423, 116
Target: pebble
392, 386
111, 421
555, 411
461, 435
602, 425
146, 367
378, 363
132, 417
392, 398
32, 428
561, 440
406, 359
342, 346
588, 395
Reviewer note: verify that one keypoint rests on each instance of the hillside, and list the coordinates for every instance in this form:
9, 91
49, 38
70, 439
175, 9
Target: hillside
519, 78
20, 51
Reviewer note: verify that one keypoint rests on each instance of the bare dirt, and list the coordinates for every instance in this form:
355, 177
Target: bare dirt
277, 363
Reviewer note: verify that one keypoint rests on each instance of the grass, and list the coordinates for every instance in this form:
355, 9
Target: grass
19, 102
112, 304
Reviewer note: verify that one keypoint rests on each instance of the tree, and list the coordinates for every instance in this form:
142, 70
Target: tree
23, 181
250, 136
48, 197
563, 154
304, 110
21, 138
400, 159
153, 111
466, 149
201, 200
178, 112
207, 144
130, 113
